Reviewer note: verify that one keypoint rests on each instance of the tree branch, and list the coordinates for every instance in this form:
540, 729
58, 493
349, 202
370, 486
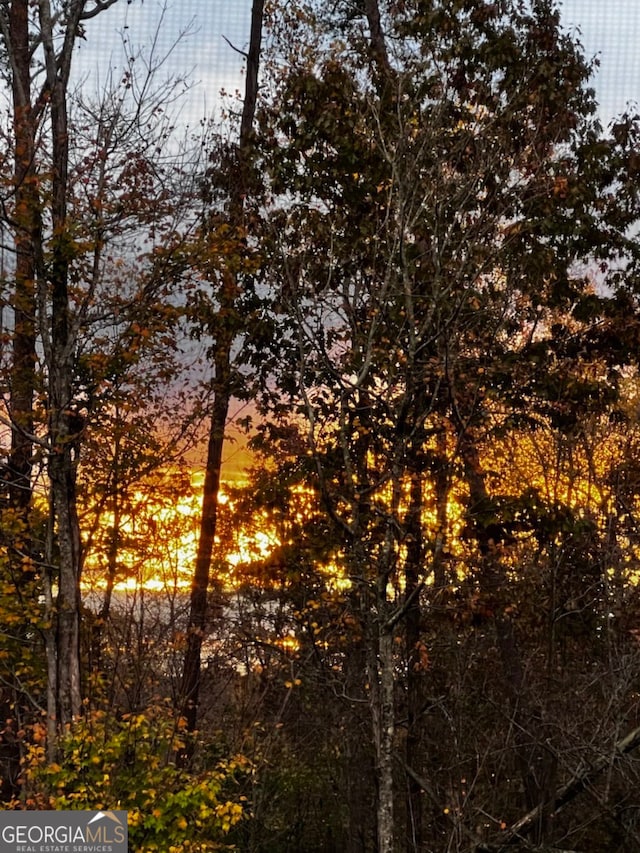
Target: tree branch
242, 53
101, 6
578, 783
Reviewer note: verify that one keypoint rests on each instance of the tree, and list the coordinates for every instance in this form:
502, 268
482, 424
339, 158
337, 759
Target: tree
431, 203
225, 325
92, 180
42, 277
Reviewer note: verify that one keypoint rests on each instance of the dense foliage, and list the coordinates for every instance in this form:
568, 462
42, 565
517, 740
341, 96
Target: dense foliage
414, 626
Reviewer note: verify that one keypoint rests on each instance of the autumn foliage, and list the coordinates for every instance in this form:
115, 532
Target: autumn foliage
411, 276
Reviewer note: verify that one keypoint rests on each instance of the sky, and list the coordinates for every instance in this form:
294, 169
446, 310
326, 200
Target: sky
194, 34
608, 29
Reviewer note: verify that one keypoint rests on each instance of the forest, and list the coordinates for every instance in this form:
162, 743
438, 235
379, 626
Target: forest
401, 270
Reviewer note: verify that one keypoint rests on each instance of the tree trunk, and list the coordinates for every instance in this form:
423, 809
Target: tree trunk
17, 480
24, 301
222, 386
442, 486
415, 655
382, 678
59, 345
62, 462
384, 719
190, 690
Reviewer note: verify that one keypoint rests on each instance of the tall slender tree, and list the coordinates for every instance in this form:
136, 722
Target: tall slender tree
225, 326
86, 185
43, 248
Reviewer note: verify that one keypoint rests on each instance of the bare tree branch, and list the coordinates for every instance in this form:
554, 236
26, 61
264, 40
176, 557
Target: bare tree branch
233, 47
101, 6
578, 783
